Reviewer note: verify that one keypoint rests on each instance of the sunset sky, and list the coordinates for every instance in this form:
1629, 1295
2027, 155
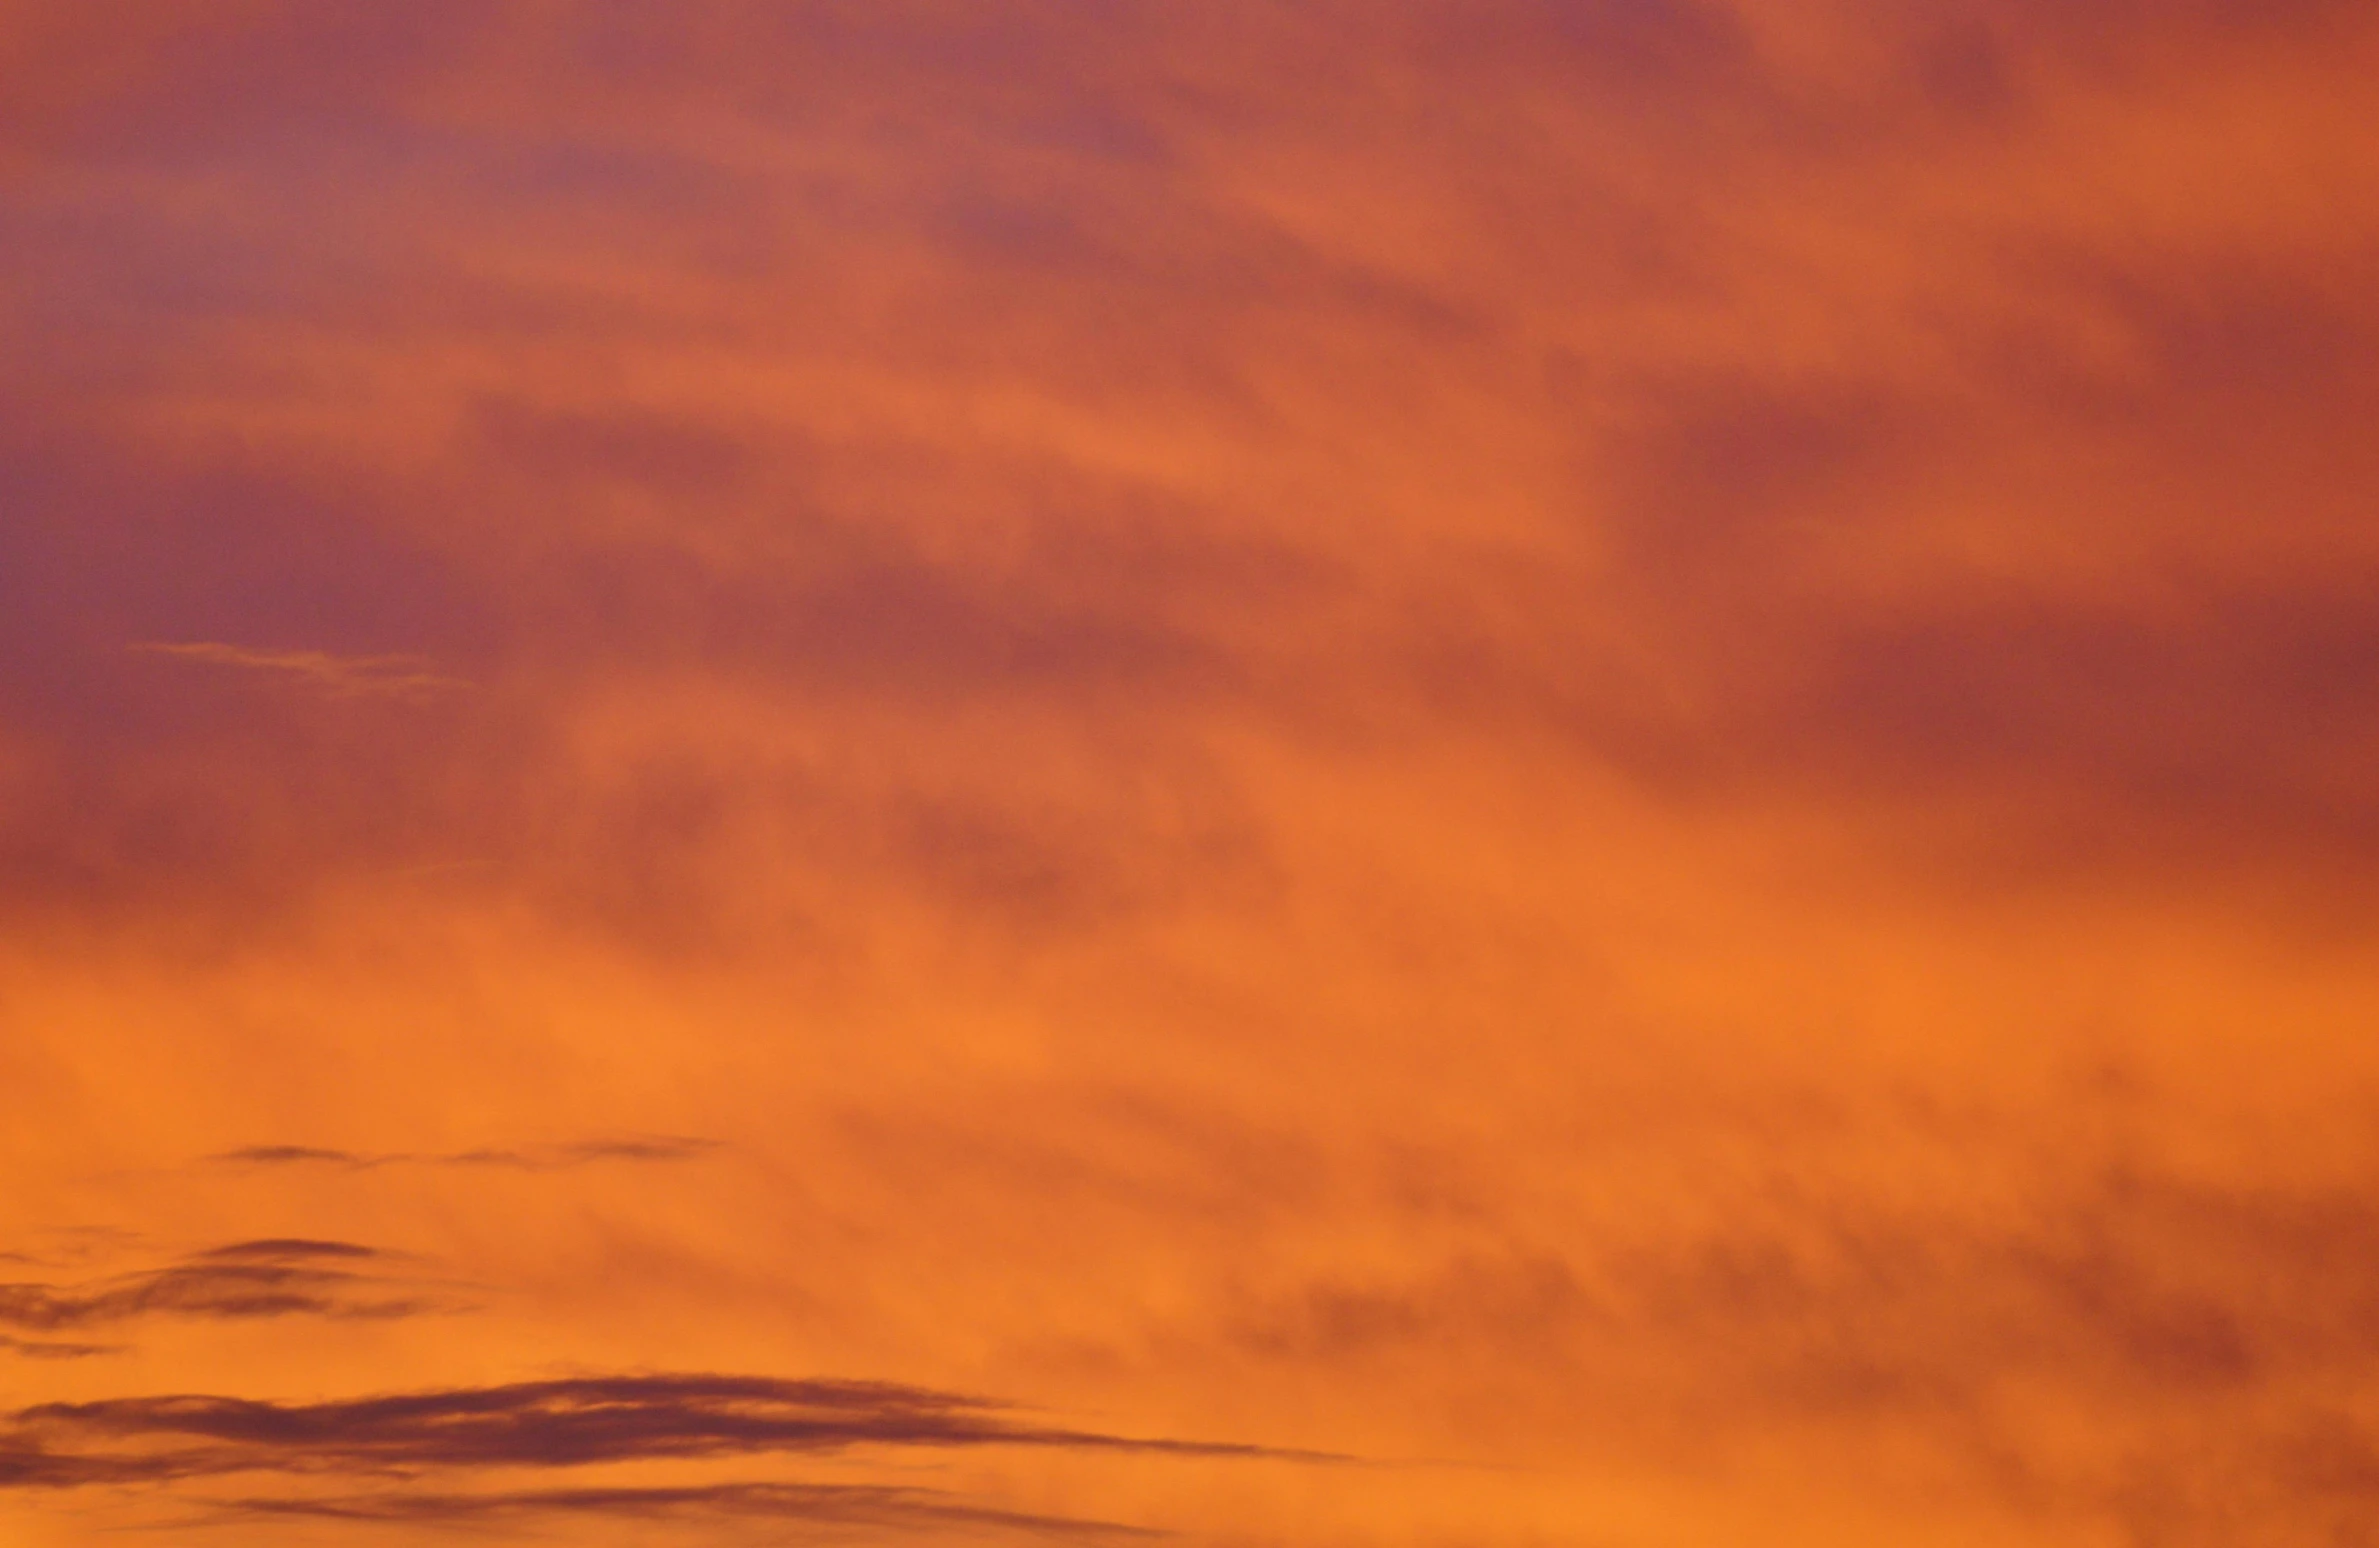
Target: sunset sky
1334, 773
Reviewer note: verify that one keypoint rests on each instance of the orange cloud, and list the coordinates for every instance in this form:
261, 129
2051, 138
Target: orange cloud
1614, 750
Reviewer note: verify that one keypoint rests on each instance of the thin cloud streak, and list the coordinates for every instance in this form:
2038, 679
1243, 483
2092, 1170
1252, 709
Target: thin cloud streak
277, 1277
338, 677
45, 1349
534, 1158
847, 1505
573, 1422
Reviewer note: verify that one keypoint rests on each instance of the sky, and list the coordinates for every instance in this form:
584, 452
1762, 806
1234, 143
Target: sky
1408, 774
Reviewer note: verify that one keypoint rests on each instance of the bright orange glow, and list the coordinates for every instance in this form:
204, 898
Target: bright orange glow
1423, 773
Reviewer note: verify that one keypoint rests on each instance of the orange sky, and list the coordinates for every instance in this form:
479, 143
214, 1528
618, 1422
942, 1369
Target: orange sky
1523, 772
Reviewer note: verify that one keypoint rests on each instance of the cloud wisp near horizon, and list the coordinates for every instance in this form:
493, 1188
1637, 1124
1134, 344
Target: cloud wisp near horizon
568, 1423
268, 1278
1625, 742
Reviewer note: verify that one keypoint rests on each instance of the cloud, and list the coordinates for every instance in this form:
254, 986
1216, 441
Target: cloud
564, 1423
2210, 1335
1369, 571
24, 1465
43, 1349
534, 1158
847, 1505
279, 1277
339, 677
296, 1155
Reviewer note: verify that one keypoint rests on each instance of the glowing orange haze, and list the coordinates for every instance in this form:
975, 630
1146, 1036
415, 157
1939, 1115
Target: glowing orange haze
1618, 756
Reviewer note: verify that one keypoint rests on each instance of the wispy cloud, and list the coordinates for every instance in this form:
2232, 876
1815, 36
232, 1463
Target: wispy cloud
847, 1505
563, 1423
343, 677
526, 1158
1584, 642
47, 1349
279, 1277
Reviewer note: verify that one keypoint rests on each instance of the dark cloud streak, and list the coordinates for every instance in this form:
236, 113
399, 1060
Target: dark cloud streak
535, 1158
279, 1277
48, 1349
850, 1505
563, 1423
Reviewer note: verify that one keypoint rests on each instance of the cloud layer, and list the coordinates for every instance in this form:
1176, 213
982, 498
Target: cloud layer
1628, 741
